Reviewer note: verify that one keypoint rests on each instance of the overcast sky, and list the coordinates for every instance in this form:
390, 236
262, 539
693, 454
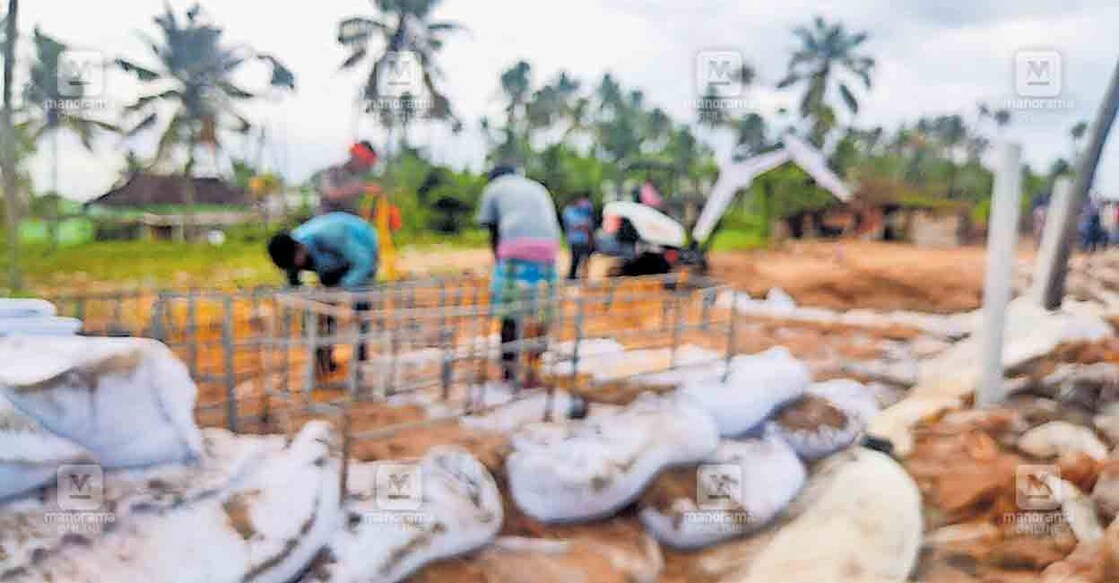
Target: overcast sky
934, 57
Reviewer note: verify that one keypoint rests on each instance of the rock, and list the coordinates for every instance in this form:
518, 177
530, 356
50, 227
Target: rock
1079, 513
1105, 494
1084, 565
129, 401
1060, 437
1108, 425
1080, 469
843, 534
1029, 552
965, 533
586, 469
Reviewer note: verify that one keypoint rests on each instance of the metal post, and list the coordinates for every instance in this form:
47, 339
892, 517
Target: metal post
227, 358
1002, 234
192, 334
311, 332
677, 328
731, 335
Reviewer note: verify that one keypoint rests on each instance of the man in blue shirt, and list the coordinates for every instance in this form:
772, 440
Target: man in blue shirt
341, 249
578, 226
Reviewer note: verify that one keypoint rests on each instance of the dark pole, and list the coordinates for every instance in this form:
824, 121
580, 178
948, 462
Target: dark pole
1054, 290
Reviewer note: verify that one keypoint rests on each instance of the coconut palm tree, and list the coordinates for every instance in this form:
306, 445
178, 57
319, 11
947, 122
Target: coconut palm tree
7, 141
826, 61
48, 117
193, 78
398, 27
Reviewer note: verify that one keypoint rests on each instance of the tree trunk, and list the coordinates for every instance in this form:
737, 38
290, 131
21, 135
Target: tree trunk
11, 197
1054, 290
55, 209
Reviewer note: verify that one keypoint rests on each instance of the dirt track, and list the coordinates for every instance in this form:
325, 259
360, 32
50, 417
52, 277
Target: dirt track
837, 275
861, 274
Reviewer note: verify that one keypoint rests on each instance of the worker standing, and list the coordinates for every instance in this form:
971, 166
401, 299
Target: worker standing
341, 249
524, 236
578, 226
341, 187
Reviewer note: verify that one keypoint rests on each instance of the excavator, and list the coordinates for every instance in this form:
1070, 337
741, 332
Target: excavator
648, 241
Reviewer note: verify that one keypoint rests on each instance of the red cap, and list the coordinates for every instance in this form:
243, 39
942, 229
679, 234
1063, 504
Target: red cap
363, 153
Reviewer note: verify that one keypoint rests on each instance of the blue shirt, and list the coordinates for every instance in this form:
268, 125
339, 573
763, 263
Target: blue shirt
342, 248
578, 222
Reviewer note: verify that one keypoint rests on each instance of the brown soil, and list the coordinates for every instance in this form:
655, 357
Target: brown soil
810, 412
861, 274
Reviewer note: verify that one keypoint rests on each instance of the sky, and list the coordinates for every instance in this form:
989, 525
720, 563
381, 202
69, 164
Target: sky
933, 58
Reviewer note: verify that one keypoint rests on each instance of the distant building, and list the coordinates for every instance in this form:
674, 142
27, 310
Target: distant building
158, 207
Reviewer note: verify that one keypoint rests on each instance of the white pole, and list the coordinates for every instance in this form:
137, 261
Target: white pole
1061, 205
1002, 236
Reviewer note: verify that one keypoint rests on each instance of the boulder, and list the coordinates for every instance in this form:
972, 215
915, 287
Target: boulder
1060, 437
1105, 494
129, 401
587, 469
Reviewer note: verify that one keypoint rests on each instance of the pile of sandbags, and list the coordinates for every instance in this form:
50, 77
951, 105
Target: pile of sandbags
829, 417
258, 516
582, 470
128, 401
402, 516
33, 317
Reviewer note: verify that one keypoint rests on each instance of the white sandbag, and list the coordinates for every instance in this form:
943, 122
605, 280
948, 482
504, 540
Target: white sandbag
26, 308
851, 404
588, 469
266, 527
450, 505
757, 385
130, 401
40, 326
862, 524
32, 529
29, 454
766, 475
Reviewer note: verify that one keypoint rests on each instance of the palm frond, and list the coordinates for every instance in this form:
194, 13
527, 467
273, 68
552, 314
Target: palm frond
141, 73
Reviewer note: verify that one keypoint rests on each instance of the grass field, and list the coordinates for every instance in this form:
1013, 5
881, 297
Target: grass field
131, 264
